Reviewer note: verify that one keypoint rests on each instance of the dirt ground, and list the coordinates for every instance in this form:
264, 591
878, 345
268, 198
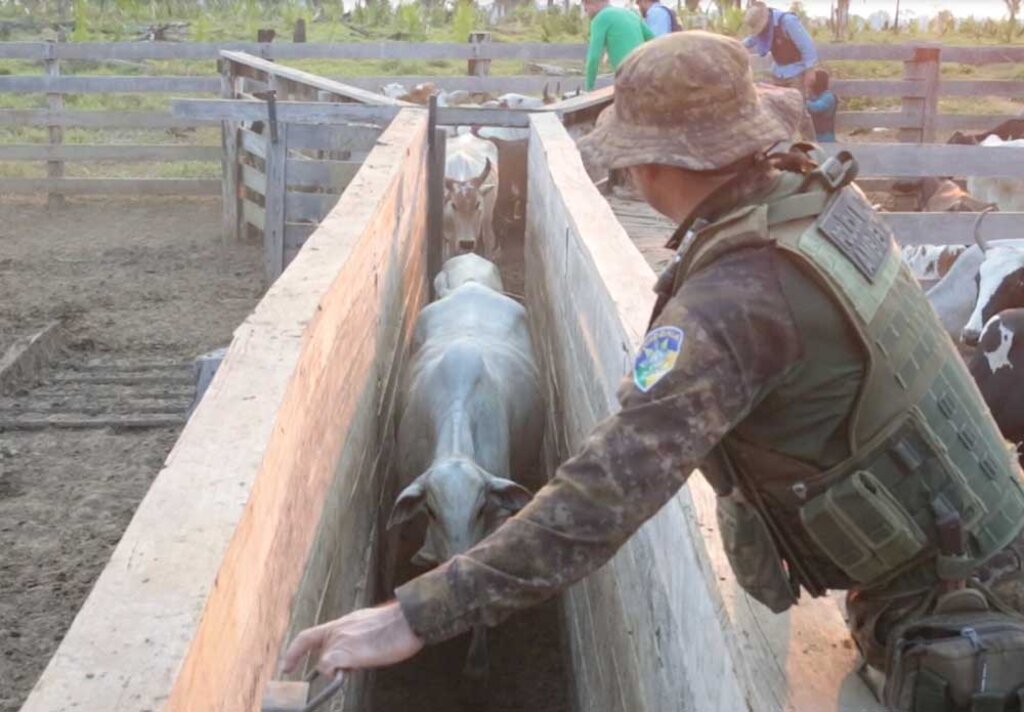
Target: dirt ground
134, 280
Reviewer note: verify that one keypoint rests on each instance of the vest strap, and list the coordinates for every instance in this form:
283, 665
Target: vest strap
797, 207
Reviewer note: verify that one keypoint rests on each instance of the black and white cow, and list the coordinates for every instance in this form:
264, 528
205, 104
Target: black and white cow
998, 368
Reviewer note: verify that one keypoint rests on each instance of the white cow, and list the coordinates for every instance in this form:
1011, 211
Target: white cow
981, 283
513, 100
466, 268
1007, 193
470, 180
471, 419
394, 90
929, 263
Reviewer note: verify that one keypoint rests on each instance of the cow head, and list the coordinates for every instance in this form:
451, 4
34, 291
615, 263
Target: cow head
464, 212
463, 503
1000, 287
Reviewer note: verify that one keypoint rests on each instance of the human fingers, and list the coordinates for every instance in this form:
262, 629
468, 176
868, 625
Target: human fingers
308, 641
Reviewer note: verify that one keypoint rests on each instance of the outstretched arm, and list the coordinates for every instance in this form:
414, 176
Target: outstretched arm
595, 51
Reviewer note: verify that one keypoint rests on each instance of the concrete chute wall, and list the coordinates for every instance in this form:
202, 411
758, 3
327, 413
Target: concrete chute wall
264, 517
663, 626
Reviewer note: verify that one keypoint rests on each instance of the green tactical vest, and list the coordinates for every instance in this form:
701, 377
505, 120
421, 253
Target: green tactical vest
914, 442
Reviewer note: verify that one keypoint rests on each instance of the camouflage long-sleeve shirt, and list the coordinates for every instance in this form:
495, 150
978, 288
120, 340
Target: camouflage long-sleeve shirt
738, 339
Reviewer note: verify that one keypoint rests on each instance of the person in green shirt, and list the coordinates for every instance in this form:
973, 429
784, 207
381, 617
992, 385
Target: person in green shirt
615, 30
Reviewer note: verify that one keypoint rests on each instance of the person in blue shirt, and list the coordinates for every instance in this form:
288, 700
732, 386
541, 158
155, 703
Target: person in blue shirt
783, 36
658, 17
821, 104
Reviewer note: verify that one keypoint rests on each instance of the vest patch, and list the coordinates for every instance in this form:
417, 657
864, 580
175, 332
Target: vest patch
657, 356
852, 225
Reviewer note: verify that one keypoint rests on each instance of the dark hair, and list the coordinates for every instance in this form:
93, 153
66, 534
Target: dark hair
820, 83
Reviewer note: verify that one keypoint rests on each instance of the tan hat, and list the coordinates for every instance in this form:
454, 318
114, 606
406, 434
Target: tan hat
688, 99
757, 18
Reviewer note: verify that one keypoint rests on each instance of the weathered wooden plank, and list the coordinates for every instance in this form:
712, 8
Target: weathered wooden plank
308, 207
496, 85
96, 119
55, 103
219, 568
122, 186
252, 142
438, 50
107, 152
253, 178
981, 87
302, 112
913, 160
275, 205
876, 87
310, 80
846, 120
333, 138
983, 55
952, 228
972, 122
285, 50
327, 174
252, 214
108, 85
231, 225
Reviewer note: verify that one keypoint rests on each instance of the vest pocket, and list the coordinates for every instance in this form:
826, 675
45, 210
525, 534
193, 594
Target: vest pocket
862, 527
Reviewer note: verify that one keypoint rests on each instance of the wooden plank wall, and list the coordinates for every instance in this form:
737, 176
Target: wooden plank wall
262, 520
663, 625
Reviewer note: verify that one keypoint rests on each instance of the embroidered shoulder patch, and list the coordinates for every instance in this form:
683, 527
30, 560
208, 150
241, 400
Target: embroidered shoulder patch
657, 356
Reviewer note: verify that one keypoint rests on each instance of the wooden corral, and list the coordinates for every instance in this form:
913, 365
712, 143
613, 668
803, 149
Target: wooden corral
918, 118
663, 626
264, 518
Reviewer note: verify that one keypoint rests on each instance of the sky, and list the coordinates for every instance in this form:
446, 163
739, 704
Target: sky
960, 8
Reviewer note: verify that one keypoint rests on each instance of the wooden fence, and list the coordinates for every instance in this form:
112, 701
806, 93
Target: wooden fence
917, 120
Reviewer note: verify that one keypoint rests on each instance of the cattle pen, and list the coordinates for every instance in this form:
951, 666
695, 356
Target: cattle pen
267, 516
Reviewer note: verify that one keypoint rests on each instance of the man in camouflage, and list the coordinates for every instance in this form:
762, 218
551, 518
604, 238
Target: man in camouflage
758, 369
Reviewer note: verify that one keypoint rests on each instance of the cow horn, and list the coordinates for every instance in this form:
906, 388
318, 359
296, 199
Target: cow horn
479, 180
978, 239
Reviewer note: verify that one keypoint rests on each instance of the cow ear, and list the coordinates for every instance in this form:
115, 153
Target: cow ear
449, 184
409, 503
507, 494
485, 189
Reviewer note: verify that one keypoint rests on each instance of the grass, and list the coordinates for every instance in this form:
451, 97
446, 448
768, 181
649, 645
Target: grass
238, 20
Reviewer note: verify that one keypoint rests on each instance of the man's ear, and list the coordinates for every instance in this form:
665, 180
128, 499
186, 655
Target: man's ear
409, 503
507, 494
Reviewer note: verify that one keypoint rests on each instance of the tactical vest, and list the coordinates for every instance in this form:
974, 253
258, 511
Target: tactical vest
921, 445
784, 50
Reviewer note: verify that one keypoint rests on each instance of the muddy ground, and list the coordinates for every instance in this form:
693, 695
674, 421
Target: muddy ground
134, 280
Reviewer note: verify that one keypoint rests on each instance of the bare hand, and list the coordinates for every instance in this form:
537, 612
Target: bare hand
371, 637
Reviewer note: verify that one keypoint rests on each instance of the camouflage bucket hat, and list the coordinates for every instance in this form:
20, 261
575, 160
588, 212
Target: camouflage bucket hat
757, 19
688, 99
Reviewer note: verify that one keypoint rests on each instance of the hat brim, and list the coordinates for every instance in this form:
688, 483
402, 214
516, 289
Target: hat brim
698, 146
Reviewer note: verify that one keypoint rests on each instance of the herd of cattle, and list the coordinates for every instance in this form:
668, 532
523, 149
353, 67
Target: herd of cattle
978, 290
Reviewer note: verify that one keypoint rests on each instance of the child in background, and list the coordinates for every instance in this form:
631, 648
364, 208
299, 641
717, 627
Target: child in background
822, 104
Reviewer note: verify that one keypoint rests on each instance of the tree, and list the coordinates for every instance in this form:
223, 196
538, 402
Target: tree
693, 5
841, 19
896, 20
1013, 6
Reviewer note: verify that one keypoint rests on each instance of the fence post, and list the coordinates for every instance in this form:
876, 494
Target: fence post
923, 70
274, 204
479, 67
55, 104
229, 156
435, 190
